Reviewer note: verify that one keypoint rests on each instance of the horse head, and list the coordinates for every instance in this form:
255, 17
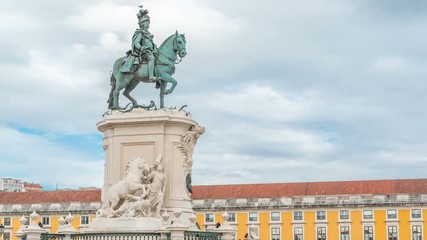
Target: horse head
136, 166
179, 45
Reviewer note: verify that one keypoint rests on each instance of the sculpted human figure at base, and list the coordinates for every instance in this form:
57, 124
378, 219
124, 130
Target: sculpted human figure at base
157, 187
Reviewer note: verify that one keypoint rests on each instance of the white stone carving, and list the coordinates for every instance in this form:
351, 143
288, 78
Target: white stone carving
33, 217
156, 180
165, 222
193, 220
121, 199
133, 206
120, 193
188, 141
65, 226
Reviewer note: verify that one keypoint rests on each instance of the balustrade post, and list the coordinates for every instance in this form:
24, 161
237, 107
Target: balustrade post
227, 230
20, 234
65, 227
177, 228
33, 231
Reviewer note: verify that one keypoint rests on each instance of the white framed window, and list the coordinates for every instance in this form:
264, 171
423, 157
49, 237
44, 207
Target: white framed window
321, 215
253, 217
84, 220
275, 233
368, 233
391, 214
6, 236
298, 233
209, 217
392, 233
321, 233
7, 222
46, 221
232, 217
368, 214
417, 232
298, 216
416, 214
275, 216
344, 214
344, 232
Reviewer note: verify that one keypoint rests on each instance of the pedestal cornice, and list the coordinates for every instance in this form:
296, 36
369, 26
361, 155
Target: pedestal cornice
144, 117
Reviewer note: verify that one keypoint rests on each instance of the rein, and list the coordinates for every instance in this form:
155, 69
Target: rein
176, 60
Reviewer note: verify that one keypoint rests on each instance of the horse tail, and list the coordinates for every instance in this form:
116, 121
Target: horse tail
113, 86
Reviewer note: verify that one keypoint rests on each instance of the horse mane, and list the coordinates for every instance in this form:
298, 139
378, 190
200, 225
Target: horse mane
128, 164
167, 39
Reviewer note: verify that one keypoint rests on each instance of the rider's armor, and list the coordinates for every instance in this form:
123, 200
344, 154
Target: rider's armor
142, 49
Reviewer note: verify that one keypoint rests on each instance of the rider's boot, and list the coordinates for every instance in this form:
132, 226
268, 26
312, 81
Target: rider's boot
151, 76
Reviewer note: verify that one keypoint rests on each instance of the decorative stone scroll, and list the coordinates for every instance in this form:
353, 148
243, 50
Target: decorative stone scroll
188, 141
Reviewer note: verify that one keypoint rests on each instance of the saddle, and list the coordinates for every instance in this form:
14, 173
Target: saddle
130, 63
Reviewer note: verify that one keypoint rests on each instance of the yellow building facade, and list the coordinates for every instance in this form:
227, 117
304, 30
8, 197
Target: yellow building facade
326, 224
353, 210
347, 210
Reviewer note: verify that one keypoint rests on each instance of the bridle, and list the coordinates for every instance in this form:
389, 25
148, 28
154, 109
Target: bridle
177, 59
175, 47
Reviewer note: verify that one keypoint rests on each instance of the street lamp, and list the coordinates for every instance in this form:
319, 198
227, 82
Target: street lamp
1, 230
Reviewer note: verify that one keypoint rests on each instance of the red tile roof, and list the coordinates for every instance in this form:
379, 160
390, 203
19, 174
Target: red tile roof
32, 185
406, 186
50, 196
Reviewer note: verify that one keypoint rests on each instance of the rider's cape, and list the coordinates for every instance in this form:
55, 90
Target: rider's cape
145, 40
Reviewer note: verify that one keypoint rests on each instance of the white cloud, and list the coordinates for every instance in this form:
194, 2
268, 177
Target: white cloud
389, 64
263, 103
292, 92
205, 27
35, 158
103, 17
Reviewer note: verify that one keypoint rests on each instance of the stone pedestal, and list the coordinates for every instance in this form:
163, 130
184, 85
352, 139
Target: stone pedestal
150, 134
123, 225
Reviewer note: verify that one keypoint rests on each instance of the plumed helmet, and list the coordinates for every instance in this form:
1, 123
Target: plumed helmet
142, 15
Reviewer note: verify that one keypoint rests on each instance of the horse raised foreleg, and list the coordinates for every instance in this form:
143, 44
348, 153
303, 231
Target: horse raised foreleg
169, 79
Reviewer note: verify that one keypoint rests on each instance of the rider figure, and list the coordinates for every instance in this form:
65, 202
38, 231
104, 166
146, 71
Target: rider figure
143, 47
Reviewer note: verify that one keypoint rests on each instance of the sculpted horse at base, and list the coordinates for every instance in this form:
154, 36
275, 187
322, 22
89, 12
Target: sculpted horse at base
169, 51
114, 197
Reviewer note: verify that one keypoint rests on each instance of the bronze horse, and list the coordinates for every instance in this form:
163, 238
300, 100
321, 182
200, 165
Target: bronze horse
169, 51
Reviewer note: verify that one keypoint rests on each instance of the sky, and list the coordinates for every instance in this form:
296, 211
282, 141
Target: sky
288, 91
